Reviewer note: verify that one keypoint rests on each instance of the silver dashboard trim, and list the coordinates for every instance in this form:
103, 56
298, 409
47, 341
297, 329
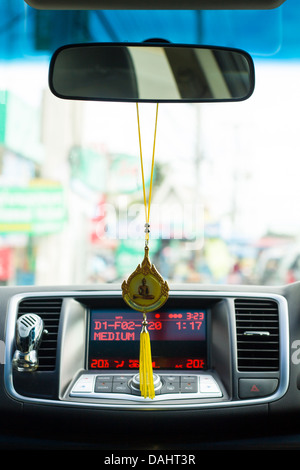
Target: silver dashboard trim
217, 393
149, 404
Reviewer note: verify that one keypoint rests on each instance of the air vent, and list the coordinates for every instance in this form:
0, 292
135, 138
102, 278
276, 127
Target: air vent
49, 310
257, 329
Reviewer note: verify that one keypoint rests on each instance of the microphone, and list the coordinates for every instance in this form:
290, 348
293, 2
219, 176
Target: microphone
29, 332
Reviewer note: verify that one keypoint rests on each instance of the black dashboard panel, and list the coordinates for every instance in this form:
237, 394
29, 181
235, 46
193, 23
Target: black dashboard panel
224, 357
178, 338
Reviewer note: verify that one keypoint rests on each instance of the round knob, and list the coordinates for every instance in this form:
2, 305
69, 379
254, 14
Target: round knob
135, 383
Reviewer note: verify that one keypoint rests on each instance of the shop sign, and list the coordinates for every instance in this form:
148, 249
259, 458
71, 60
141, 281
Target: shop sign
32, 210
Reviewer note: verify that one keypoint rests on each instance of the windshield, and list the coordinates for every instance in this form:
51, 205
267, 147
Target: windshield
226, 182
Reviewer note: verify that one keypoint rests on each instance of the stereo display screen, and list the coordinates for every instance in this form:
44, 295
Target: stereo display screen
178, 339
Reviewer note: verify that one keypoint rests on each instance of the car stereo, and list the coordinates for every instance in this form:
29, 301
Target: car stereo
178, 339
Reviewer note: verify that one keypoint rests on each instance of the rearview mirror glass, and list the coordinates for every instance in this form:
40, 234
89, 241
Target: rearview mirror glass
151, 72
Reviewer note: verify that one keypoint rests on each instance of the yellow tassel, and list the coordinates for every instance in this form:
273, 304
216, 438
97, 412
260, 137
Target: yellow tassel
146, 372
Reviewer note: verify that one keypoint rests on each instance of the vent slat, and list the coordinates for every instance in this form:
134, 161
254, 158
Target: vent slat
49, 310
257, 333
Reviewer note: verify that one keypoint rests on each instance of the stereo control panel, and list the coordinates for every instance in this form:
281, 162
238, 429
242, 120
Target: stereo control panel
174, 386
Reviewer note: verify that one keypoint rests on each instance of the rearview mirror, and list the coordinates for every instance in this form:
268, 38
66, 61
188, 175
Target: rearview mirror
151, 72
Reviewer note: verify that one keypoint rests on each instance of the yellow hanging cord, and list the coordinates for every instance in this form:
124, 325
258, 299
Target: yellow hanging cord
145, 361
147, 211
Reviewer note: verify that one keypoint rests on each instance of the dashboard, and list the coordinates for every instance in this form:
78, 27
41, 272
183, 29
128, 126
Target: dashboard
227, 357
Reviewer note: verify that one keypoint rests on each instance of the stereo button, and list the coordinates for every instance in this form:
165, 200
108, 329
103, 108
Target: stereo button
189, 387
121, 387
170, 387
103, 386
84, 384
209, 385
171, 378
189, 378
